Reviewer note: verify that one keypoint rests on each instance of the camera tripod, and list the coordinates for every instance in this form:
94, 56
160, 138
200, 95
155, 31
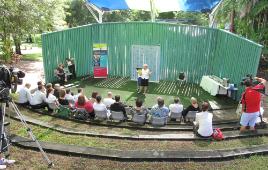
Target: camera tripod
4, 143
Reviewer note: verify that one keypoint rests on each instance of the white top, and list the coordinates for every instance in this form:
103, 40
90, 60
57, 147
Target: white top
145, 74
204, 120
24, 95
76, 96
99, 107
176, 108
69, 97
108, 101
38, 98
51, 98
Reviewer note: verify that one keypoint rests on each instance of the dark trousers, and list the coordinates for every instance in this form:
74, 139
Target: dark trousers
41, 106
72, 70
24, 104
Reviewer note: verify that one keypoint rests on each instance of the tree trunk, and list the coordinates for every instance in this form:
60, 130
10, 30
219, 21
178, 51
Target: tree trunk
231, 29
17, 43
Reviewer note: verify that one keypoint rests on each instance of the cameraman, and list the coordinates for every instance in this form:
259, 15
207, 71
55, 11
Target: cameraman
251, 101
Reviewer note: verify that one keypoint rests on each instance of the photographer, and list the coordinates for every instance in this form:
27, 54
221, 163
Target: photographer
251, 101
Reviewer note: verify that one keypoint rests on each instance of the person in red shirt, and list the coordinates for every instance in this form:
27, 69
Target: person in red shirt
251, 101
87, 105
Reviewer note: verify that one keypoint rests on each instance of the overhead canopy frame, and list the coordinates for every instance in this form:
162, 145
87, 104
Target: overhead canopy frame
98, 7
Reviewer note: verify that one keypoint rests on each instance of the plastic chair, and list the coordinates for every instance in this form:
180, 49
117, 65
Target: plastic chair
191, 116
101, 114
174, 115
117, 116
139, 118
158, 121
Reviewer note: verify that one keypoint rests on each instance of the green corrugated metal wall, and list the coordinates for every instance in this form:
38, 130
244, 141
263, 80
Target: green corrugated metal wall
196, 50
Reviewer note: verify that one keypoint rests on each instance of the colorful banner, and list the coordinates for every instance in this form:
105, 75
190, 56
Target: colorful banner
100, 60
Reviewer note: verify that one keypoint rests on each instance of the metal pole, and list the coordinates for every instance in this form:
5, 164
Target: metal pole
152, 5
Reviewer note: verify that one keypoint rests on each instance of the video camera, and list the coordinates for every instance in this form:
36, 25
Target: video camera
10, 78
248, 80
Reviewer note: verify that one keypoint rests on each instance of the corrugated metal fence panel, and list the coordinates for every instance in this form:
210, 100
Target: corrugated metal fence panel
195, 50
235, 57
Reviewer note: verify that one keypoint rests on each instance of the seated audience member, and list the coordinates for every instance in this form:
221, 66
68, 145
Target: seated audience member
204, 121
177, 107
62, 99
50, 98
160, 110
38, 100
118, 106
93, 97
60, 73
57, 90
193, 107
79, 93
35, 89
87, 105
69, 96
109, 100
25, 95
99, 106
139, 108
48, 86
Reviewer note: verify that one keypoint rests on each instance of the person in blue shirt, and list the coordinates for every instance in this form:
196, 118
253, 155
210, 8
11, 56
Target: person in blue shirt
160, 110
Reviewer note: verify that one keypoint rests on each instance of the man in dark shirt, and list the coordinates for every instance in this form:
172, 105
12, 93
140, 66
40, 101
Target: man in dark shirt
118, 106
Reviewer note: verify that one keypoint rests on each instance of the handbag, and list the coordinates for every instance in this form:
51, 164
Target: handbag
217, 134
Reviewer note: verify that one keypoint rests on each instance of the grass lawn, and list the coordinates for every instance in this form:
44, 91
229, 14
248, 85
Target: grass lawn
46, 134
33, 57
28, 159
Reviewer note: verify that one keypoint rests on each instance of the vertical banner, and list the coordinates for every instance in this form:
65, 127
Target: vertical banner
100, 60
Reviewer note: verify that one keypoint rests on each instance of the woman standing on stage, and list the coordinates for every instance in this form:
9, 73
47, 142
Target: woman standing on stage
145, 74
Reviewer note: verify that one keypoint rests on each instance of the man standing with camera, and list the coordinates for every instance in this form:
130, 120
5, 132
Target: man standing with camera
251, 102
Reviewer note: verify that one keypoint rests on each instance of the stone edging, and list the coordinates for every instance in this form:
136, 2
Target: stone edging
140, 155
177, 137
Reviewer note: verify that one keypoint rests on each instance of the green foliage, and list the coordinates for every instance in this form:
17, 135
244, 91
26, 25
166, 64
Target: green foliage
251, 19
6, 50
193, 18
77, 13
23, 17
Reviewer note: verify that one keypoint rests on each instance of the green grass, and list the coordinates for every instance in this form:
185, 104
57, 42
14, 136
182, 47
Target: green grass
46, 134
28, 159
33, 57
166, 89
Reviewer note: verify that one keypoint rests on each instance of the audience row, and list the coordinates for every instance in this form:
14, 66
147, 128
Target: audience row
45, 96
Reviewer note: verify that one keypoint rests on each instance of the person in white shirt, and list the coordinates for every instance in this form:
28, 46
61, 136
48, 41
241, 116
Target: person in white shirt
99, 106
36, 88
145, 74
79, 92
109, 100
204, 121
39, 98
177, 107
51, 100
69, 96
25, 95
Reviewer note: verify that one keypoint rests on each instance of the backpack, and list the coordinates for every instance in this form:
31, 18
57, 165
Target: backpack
217, 134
